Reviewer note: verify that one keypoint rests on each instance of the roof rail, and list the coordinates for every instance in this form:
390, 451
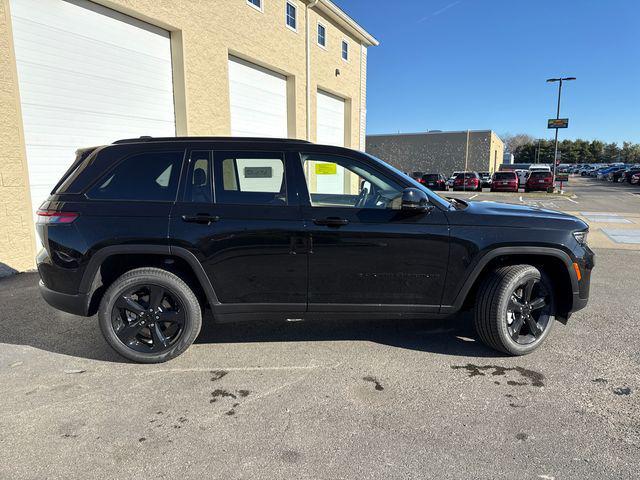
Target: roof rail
147, 138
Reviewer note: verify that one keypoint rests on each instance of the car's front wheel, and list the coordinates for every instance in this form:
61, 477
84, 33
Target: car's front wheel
514, 310
149, 315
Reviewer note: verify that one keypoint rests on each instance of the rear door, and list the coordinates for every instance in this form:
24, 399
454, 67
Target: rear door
240, 218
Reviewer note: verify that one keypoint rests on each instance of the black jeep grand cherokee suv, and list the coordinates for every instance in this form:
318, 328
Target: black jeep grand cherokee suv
149, 232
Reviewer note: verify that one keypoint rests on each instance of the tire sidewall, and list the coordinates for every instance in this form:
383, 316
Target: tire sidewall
172, 283
508, 342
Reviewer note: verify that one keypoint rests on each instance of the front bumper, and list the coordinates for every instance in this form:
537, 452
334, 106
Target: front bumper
77, 304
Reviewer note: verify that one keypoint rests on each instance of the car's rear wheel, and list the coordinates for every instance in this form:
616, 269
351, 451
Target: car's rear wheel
515, 308
149, 315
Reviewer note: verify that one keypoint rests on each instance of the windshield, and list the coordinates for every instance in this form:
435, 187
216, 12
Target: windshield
467, 175
505, 176
433, 198
537, 175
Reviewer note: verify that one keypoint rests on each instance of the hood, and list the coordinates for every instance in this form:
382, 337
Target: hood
520, 216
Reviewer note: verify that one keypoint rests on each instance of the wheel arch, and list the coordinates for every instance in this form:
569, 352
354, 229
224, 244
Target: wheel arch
110, 262
556, 263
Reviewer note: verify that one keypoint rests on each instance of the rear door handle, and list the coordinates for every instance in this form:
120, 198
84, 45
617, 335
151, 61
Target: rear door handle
201, 218
331, 221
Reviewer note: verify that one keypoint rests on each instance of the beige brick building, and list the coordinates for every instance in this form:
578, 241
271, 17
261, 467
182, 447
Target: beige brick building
440, 152
75, 73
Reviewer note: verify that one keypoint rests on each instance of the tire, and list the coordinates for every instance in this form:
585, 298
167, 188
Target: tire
492, 312
124, 315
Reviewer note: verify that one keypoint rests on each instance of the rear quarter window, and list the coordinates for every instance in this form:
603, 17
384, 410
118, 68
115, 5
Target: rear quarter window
149, 176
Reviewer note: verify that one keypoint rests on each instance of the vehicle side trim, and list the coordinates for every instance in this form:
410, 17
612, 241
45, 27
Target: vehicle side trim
502, 251
101, 255
198, 269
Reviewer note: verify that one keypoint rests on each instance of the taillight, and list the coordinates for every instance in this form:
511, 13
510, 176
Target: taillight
49, 217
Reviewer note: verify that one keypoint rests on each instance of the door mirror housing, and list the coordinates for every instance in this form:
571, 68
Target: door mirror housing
415, 200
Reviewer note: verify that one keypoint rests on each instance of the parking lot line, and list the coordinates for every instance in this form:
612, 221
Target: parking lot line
622, 236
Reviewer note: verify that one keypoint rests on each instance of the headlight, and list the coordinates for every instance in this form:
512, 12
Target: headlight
581, 237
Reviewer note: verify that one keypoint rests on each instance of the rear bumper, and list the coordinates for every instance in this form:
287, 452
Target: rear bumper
77, 304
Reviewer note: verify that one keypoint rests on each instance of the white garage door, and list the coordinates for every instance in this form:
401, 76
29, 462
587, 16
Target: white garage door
258, 100
330, 119
331, 132
87, 76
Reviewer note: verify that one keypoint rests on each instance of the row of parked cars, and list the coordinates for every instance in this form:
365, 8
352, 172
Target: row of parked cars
537, 178
614, 172
618, 173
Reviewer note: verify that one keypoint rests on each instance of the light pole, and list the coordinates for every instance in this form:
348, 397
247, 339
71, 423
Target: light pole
555, 155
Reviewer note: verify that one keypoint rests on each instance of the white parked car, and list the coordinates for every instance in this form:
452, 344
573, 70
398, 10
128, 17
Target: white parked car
539, 168
452, 178
522, 177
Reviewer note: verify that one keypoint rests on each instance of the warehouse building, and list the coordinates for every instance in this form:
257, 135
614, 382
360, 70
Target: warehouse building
439, 152
79, 73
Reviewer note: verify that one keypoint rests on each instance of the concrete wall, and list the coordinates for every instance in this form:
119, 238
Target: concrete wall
437, 152
203, 33
16, 231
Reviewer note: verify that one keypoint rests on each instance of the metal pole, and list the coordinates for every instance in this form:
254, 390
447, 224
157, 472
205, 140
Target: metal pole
466, 163
555, 155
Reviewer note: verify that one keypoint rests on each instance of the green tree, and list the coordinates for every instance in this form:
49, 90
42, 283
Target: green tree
611, 153
630, 152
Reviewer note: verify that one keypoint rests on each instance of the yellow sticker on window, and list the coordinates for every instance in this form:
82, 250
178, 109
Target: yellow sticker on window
326, 169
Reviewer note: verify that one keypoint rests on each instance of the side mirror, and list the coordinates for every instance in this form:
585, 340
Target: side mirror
415, 200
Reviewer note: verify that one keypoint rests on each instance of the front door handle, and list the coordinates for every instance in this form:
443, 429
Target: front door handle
331, 221
201, 218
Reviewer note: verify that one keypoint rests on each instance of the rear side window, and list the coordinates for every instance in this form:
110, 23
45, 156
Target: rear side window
199, 184
540, 174
249, 178
149, 176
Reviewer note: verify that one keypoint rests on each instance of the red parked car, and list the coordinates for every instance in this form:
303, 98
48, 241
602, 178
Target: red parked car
539, 181
468, 181
504, 182
435, 181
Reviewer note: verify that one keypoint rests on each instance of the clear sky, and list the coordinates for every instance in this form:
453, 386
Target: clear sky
482, 64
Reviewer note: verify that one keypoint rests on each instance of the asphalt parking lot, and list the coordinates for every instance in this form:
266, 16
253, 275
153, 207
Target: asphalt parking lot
388, 399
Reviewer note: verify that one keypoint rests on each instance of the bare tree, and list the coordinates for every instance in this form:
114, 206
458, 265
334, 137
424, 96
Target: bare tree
512, 142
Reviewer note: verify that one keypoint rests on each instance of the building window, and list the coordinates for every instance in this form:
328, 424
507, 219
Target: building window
290, 15
345, 50
322, 35
257, 4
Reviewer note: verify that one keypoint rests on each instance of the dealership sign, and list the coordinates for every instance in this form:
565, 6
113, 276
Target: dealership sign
558, 123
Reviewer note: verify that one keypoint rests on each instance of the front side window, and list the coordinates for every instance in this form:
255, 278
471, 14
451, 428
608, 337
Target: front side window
345, 50
150, 176
291, 16
322, 35
245, 178
334, 181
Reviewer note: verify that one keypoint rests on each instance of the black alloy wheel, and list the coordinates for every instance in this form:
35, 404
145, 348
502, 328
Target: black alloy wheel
528, 311
148, 318
515, 309
149, 315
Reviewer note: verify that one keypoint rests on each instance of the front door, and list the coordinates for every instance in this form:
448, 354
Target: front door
365, 253
238, 217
